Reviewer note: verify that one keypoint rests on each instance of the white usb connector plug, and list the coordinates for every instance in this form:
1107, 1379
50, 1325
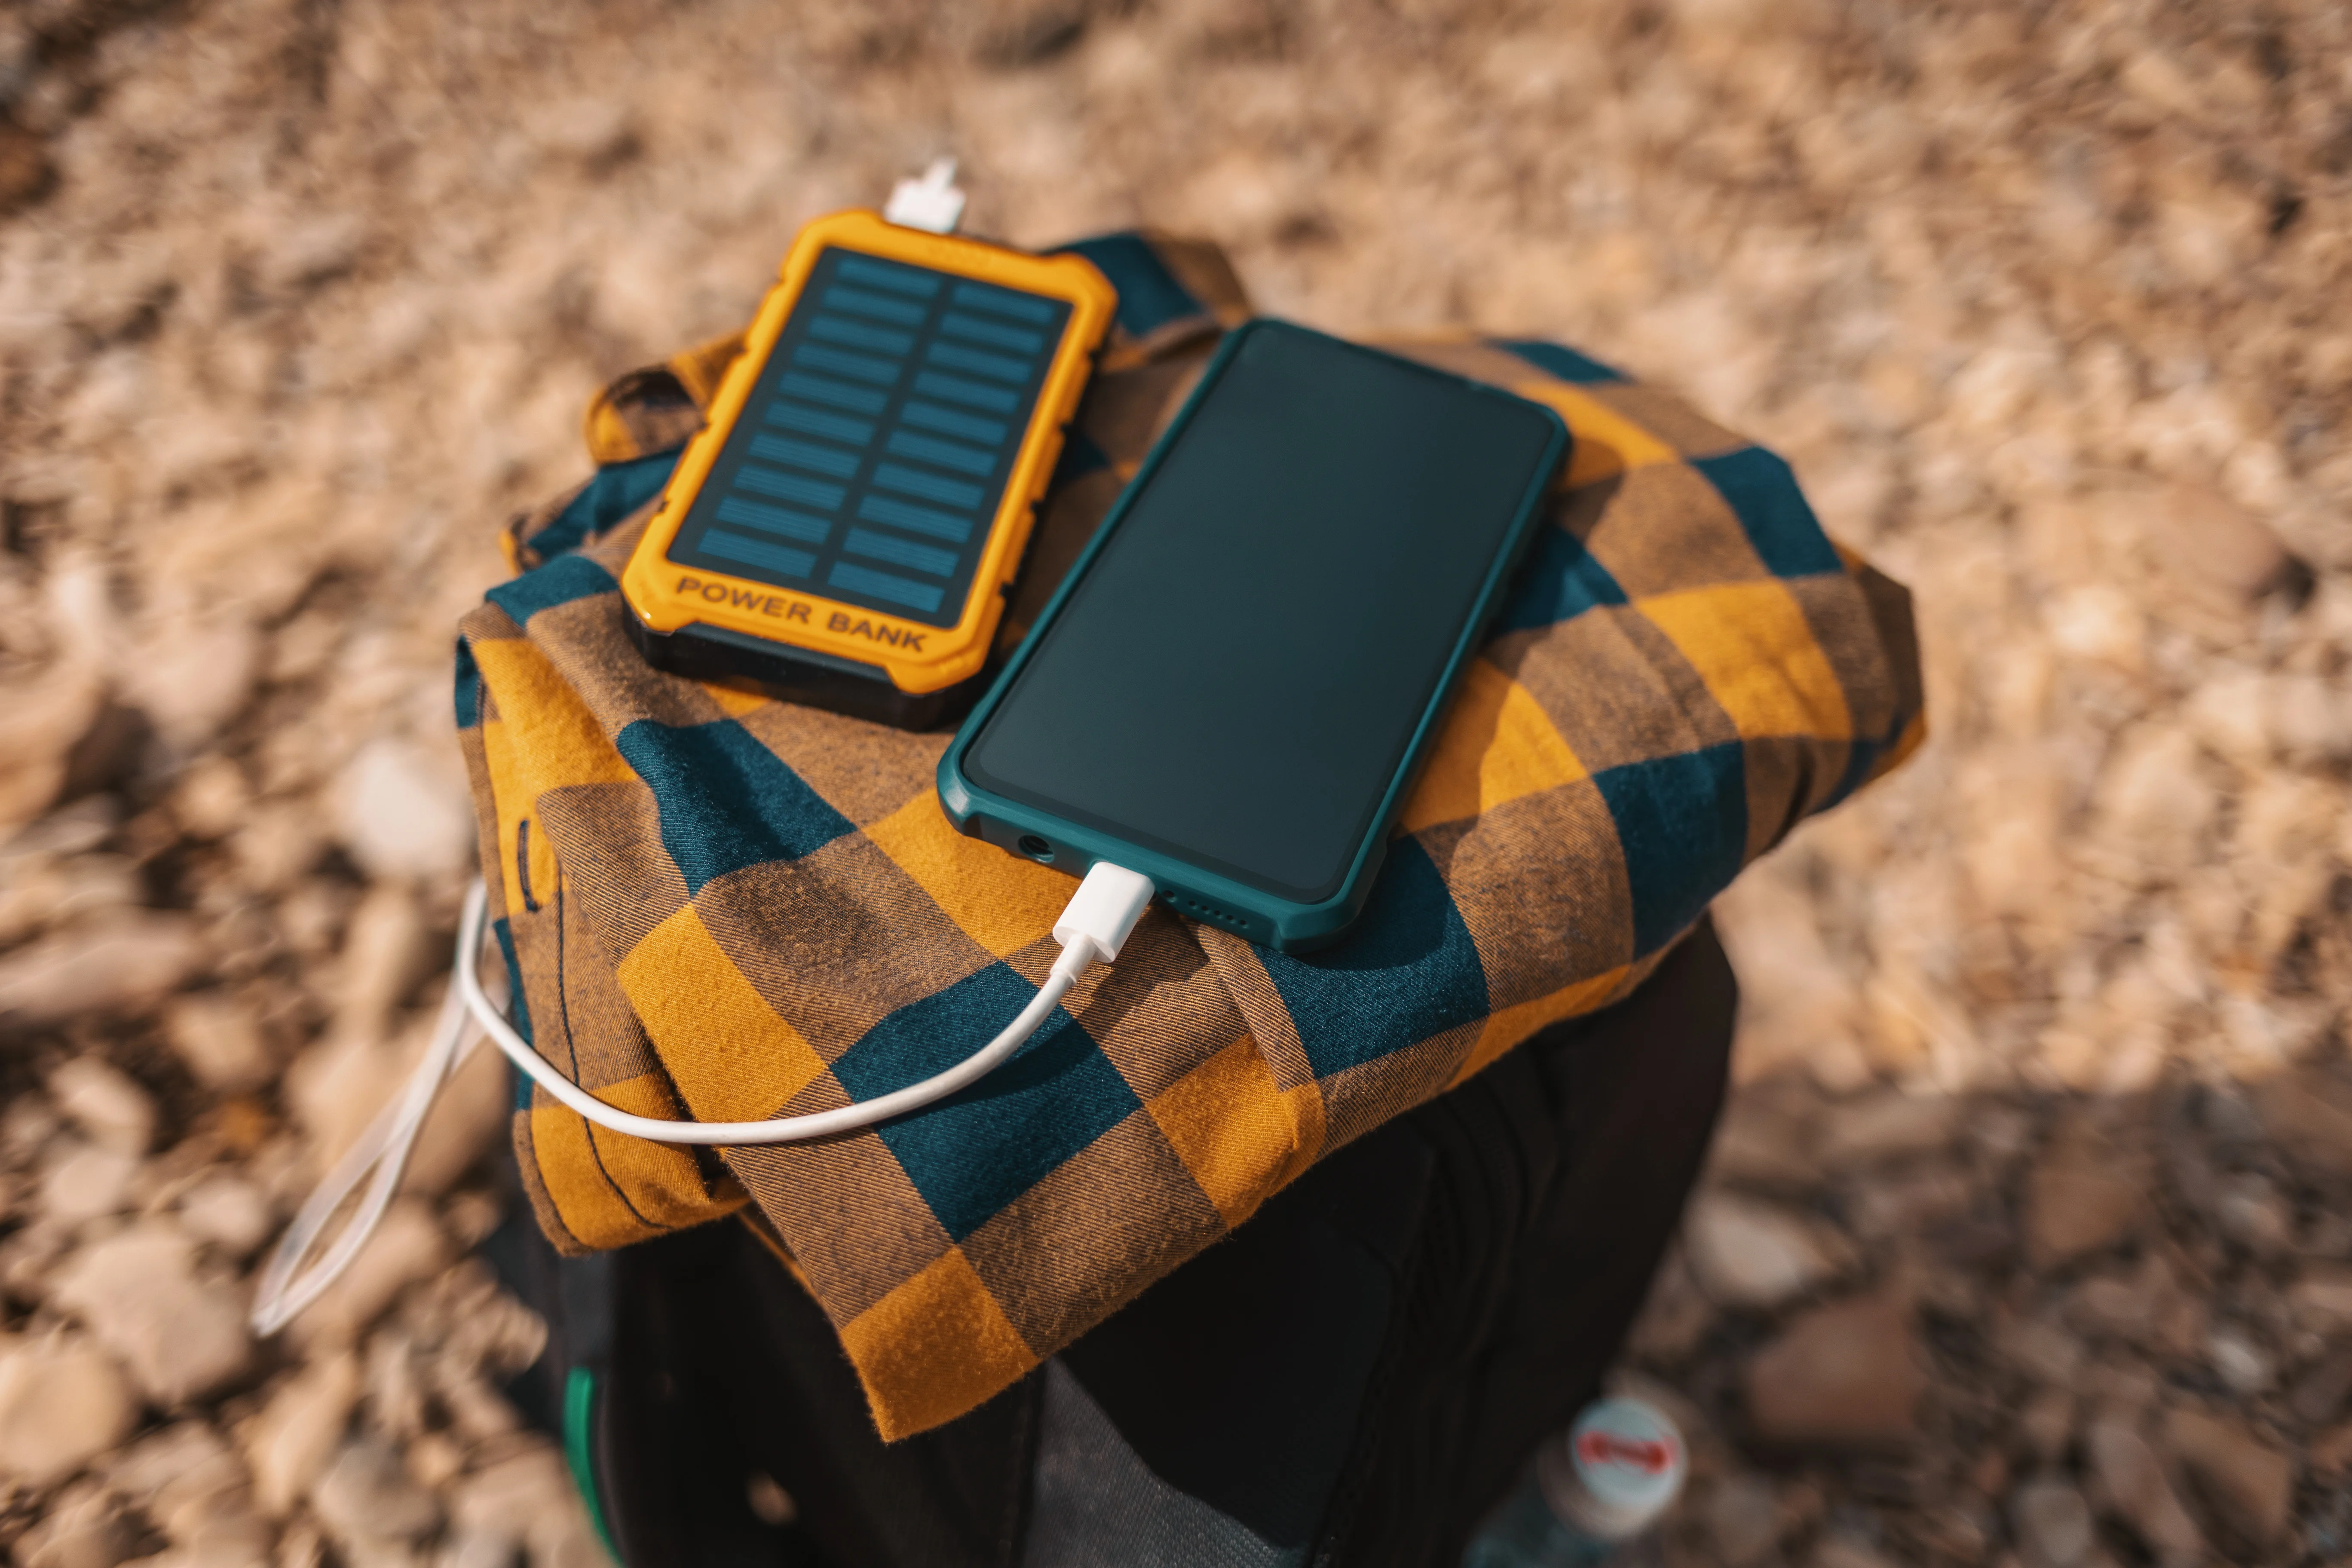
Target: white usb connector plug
930, 201
1103, 910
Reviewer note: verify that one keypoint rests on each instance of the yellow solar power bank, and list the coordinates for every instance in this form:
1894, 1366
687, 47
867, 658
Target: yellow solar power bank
844, 530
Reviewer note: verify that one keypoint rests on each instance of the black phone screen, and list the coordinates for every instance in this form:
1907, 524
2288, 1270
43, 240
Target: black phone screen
1236, 677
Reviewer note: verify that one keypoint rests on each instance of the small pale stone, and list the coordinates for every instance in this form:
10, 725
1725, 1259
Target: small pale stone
434, 1460
478, 1412
2123, 1387
384, 954
337, 1086
108, 1102
2237, 1361
2251, 1213
301, 1427
527, 1494
218, 1040
402, 814
63, 1401
179, 1335
2047, 1423
188, 1482
2208, 546
365, 1496
191, 676
1751, 1254
1760, 1150
2053, 1523
79, 889
2133, 1485
2247, 1482
83, 1182
228, 1212
1889, 1126
2081, 1198
84, 1528
2321, 1389
2041, 1350
478, 1549
2310, 721
279, 841
1839, 1551
2309, 1114
2229, 715
1846, 1374
39, 725
407, 1247
2114, 1304
2099, 623
211, 797
2322, 1300
1743, 1519
1910, 1202
2152, 799
116, 964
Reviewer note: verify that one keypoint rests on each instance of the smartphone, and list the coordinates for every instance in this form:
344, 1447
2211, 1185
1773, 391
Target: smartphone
1232, 687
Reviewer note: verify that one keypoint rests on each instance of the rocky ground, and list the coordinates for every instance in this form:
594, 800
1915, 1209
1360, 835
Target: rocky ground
2027, 1240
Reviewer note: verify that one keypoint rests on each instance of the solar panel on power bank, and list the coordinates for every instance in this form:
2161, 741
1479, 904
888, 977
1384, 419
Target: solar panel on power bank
844, 530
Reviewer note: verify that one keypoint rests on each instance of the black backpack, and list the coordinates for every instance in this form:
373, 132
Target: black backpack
1354, 1377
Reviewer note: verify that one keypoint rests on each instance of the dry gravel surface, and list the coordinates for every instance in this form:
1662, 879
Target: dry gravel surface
2028, 1240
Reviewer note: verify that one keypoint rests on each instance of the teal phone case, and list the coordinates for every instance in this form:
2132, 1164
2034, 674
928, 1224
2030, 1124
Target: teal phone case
1255, 913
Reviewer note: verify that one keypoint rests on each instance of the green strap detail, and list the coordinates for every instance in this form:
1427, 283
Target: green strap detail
579, 1432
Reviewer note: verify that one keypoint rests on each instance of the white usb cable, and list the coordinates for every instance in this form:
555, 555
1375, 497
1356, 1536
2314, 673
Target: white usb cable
1092, 928
1107, 904
1094, 925
930, 201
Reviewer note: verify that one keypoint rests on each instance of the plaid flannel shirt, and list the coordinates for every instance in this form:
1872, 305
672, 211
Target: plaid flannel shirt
726, 908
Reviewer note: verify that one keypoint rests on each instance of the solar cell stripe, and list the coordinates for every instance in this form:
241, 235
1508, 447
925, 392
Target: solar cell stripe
899, 551
928, 486
1003, 302
810, 422
994, 333
790, 487
916, 519
888, 275
885, 586
841, 362
860, 334
758, 553
793, 454
974, 460
971, 393
894, 396
931, 416
745, 513
905, 312
832, 394
995, 366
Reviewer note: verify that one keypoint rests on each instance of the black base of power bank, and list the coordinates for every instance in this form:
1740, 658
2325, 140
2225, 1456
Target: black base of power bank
801, 674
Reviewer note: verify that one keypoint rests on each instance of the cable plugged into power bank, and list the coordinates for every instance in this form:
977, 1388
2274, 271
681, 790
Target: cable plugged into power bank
1092, 929
930, 201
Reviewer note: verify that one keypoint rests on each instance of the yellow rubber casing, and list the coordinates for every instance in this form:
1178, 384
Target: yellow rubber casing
666, 595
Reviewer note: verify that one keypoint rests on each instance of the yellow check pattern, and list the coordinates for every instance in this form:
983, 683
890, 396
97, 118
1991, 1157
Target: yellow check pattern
730, 908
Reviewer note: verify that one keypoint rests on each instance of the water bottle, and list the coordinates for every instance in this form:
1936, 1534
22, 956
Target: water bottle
1589, 1490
